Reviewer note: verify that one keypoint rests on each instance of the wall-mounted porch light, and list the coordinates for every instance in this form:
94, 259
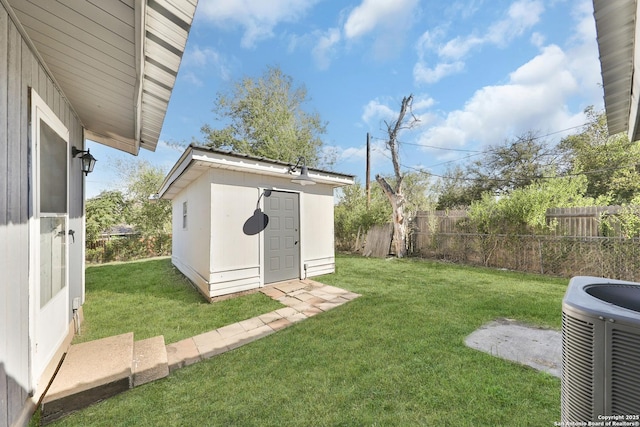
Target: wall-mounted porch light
303, 178
88, 161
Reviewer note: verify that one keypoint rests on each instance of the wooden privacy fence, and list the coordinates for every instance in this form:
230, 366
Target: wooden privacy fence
580, 222
575, 222
574, 247
378, 241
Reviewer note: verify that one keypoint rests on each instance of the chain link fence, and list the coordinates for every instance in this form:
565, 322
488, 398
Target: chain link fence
612, 257
128, 248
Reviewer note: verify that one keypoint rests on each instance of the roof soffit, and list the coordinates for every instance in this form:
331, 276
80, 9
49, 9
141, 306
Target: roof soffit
116, 62
616, 26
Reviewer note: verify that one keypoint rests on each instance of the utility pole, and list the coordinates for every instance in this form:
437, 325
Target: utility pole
368, 185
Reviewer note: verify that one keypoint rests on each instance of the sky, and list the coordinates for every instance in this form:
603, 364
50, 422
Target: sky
481, 72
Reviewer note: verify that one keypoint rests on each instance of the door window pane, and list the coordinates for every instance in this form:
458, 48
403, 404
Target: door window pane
53, 239
53, 209
53, 171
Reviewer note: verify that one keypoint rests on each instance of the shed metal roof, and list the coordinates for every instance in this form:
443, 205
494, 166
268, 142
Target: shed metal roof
116, 61
197, 159
617, 33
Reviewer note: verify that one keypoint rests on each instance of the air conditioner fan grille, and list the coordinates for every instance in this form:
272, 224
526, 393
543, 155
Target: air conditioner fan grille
625, 372
577, 369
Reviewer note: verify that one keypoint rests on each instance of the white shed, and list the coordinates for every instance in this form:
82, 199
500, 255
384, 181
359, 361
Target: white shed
239, 222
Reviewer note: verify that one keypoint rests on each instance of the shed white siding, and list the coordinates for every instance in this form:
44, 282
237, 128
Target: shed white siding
318, 249
222, 191
235, 256
191, 245
23, 71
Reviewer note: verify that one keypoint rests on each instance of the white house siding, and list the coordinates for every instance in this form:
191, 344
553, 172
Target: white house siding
20, 70
191, 245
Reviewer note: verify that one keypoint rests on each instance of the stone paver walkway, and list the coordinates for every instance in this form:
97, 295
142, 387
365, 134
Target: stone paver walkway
84, 378
303, 299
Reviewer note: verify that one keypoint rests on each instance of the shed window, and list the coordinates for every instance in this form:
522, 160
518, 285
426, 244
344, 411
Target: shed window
184, 215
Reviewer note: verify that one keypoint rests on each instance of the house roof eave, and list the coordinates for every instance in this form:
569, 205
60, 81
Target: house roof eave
618, 36
115, 62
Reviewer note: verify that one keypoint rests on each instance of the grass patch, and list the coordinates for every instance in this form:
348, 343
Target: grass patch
395, 356
153, 298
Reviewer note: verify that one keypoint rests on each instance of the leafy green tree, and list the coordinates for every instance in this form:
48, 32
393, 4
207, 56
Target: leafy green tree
610, 163
351, 213
352, 216
501, 169
524, 209
140, 180
513, 164
455, 190
266, 117
103, 212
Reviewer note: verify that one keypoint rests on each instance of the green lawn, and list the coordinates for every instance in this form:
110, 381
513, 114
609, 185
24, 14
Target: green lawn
153, 298
394, 356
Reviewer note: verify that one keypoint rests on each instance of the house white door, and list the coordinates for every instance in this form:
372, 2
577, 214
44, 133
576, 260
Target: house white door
281, 237
50, 300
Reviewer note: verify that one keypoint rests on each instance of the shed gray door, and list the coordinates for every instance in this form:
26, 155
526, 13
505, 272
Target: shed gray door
281, 237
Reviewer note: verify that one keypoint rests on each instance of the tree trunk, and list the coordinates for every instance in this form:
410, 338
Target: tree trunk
397, 206
394, 194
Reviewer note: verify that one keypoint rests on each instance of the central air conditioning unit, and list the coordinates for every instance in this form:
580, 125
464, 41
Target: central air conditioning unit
600, 350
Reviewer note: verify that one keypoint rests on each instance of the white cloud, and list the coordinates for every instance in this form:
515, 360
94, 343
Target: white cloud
387, 20
325, 48
422, 102
428, 41
371, 14
583, 53
191, 78
521, 16
534, 98
258, 18
376, 112
423, 74
197, 60
459, 47
537, 39
378, 155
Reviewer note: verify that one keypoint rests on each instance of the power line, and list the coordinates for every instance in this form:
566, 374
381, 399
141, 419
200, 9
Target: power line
560, 176
533, 138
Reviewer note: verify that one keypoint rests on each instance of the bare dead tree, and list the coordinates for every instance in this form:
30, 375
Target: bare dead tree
405, 120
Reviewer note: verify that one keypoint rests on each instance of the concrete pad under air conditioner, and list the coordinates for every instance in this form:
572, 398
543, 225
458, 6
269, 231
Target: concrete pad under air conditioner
538, 348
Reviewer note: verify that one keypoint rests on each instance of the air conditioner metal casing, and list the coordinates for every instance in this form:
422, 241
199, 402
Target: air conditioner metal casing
600, 349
